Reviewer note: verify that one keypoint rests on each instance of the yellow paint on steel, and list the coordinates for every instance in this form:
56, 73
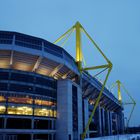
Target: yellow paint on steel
133, 103
78, 45
119, 85
95, 67
119, 91
63, 36
79, 58
96, 103
66, 39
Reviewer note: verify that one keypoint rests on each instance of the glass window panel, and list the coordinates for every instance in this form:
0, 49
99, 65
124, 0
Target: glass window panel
3, 86
2, 109
5, 41
51, 113
6, 35
22, 77
43, 91
4, 75
29, 39
20, 110
41, 112
21, 88
55, 114
43, 102
2, 99
24, 100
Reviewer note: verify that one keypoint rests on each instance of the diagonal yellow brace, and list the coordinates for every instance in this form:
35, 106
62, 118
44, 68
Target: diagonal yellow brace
133, 103
66, 39
61, 37
119, 85
95, 44
96, 67
79, 58
119, 91
96, 105
128, 93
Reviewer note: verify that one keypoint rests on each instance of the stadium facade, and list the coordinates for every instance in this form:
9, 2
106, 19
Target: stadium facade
41, 96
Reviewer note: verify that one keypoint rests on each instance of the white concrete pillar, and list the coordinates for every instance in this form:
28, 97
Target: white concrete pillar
64, 110
110, 120
103, 122
80, 113
86, 114
64, 122
108, 123
100, 121
117, 124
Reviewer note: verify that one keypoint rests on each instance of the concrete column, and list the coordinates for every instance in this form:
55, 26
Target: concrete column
64, 110
51, 125
52, 136
100, 121
64, 122
32, 136
110, 120
5, 122
80, 113
122, 123
108, 123
4, 136
86, 114
103, 121
32, 123
117, 124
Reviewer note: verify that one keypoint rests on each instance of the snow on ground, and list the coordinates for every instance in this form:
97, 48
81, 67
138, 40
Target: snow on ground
118, 137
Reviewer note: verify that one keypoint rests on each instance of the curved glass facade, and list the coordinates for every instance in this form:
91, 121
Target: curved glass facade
35, 43
29, 67
26, 93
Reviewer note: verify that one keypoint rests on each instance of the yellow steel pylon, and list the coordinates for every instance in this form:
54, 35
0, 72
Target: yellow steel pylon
119, 85
78, 28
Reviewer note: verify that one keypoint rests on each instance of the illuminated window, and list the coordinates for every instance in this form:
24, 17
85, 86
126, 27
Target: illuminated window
2, 109
51, 113
2, 99
42, 112
22, 110
43, 102
55, 114
24, 100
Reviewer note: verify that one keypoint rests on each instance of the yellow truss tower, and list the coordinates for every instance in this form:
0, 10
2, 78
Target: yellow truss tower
132, 102
78, 28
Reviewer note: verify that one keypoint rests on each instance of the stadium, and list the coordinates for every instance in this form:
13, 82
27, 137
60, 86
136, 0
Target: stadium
41, 97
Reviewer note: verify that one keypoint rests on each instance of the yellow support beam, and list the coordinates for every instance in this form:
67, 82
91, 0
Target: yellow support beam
80, 58
133, 103
96, 67
119, 85
66, 39
64, 35
96, 104
78, 45
119, 91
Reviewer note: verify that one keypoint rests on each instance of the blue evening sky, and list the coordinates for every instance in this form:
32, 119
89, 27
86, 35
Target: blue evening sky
114, 25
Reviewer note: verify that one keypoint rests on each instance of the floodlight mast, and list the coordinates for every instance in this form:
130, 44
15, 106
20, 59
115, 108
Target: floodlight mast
133, 102
78, 28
